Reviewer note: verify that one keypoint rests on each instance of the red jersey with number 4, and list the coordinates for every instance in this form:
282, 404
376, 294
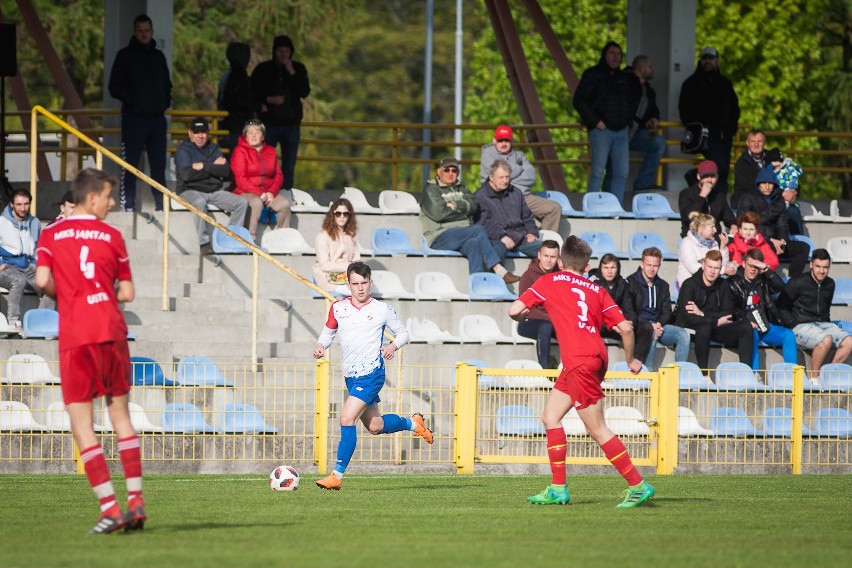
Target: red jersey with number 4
577, 307
86, 257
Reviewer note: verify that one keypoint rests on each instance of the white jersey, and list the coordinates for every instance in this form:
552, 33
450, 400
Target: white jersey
362, 334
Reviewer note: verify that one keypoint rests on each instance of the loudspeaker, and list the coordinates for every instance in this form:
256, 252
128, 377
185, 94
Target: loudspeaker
9, 49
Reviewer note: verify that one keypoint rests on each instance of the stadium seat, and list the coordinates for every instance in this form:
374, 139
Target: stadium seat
626, 421
29, 369
621, 367
653, 206
56, 418
39, 323
736, 376
779, 377
148, 373
603, 204
688, 424
138, 419
16, 417
518, 338
732, 421
488, 286
398, 202
223, 243
480, 328
185, 418
840, 249
436, 286
429, 251
545, 234
359, 201
602, 244
845, 325
519, 381
244, 419
485, 381
387, 285
842, 292
303, 202
833, 422
691, 377
806, 240
518, 420
834, 210
640, 241
201, 372
6, 329
573, 424
392, 241
811, 213
836, 377
286, 240
426, 331
778, 421
562, 199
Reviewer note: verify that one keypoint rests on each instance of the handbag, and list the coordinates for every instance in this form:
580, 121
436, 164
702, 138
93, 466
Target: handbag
694, 138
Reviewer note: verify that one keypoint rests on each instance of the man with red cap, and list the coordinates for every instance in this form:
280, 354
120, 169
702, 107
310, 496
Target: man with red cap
546, 211
705, 196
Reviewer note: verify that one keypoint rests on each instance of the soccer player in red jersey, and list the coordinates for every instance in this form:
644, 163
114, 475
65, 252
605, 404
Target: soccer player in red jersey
578, 307
83, 263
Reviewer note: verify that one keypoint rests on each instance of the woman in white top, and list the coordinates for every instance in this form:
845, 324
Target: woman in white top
695, 245
336, 247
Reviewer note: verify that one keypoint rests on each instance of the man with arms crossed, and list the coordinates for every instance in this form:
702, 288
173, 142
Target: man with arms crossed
578, 308
79, 262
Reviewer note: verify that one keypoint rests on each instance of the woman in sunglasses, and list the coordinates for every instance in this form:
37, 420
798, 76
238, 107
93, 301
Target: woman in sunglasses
336, 247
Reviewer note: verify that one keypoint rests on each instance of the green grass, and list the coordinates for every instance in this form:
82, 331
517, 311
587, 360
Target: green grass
426, 521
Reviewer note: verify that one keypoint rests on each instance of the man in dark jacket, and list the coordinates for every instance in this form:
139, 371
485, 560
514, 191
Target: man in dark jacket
279, 85
805, 304
538, 325
706, 306
608, 273
235, 94
705, 196
140, 80
708, 97
606, 100
766, 200
201, 171
748, 164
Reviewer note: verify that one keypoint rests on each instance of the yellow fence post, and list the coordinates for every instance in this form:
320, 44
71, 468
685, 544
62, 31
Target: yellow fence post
798, 418
667, 445
321, 416
465, 419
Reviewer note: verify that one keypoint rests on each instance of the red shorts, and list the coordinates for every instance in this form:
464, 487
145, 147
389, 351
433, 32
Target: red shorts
91, 371
583, 382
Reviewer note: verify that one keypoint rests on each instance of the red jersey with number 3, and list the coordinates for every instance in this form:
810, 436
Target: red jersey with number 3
86, 257
577, 307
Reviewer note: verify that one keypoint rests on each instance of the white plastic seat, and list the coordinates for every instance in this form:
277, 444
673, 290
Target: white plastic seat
547, 234
625, 421
304, 202
16, 417
518, 381
834, 210
28, 368
138, 419
573, 424
480, 328
840, 249
56, 418
436, 286
518, 338
5, 328
425, 330
810, 213
285, 241
393, 202
688, 425
387, 285
359, 201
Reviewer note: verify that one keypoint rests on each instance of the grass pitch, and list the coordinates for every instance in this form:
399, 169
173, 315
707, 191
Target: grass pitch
432, 521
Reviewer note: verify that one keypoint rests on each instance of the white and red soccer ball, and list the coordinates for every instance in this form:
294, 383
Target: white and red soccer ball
284, 478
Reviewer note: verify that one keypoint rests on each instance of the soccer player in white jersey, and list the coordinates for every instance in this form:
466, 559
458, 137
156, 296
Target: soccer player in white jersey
83, 263
361, 321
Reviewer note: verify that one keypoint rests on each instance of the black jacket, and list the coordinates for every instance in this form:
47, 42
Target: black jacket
236, 96
709, 98
659, 305
803, 300
270, 79
714, 300
140, 79
715, 204
607, 95
745, 170
651, 110
772, 210
754, 299
618, 289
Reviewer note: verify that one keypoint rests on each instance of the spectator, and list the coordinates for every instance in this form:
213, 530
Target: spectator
235, 94
748, 164
606, 102
19, 234
652, 306
66, 207
697, 243
504, 214
748, 237
201, 172
279, 85
766, 200
608, 274
752, 288
538, 325
788, 172
336, 247
140, 80
257, 176
805, 304
708, 97
705, 305
546, 211
705, 196
447, 209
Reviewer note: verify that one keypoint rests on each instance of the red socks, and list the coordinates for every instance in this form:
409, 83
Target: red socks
557, 449
131, 461
617, 454
98, 474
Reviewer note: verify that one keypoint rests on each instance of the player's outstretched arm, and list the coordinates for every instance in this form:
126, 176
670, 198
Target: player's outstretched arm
44, 281
125, 292
518, 311
625, 328
319, 351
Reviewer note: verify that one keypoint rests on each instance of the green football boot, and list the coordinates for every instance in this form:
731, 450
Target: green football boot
636, 495
553, 495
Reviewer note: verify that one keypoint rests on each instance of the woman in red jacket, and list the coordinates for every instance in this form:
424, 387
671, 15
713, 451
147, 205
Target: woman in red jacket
258, 177
749, 237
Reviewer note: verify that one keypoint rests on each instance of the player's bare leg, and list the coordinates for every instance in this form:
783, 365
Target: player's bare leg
557, 406
131, 460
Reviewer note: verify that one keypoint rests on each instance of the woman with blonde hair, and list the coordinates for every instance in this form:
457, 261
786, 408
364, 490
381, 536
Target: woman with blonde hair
698, 241
336, 247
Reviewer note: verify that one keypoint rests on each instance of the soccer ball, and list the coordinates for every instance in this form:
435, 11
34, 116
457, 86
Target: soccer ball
284, 478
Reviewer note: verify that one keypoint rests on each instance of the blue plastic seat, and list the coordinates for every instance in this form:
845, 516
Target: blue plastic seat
845, 325
485, 381
640, 241
732, 421
488, 286
602, 243
148, 373
244, 419
736, 376
223, 243
691, 378
834, 422
842, 292
779, 377
778, 421
562, 199
185, 418
805, 239
602, 204
836, 377
653, 206
621, 367
41, 324
429, 251
518, 420
390, 241
200, 371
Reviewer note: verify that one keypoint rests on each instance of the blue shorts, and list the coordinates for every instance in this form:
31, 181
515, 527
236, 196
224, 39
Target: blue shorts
367, 387
809, 335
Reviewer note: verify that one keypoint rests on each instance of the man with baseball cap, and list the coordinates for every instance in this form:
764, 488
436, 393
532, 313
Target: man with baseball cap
704, 196
546, 211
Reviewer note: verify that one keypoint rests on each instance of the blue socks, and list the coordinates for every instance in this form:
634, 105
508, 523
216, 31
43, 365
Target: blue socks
395, 423
345, 448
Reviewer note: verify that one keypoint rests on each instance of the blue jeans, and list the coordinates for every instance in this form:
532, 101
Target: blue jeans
609, 145
524, 247
653, 150
288, 137
473, 243
543, 333
776, 336
672, 335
